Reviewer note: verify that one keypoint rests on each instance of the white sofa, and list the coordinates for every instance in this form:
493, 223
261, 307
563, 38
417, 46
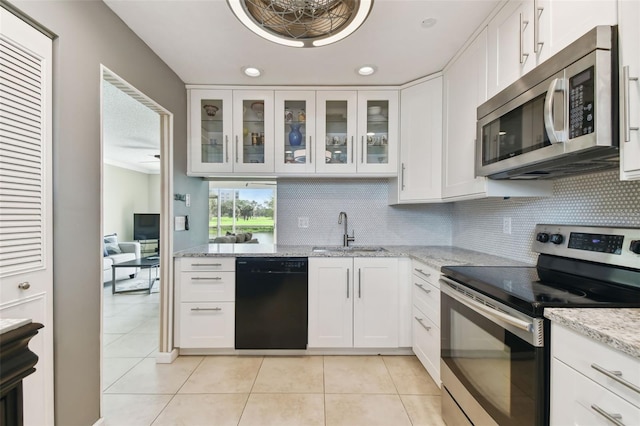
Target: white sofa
118, 252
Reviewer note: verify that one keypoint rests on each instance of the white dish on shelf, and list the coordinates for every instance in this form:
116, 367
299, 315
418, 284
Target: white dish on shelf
378, 117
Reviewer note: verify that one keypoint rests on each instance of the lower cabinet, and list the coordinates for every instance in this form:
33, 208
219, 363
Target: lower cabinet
205, 303
591, 383
426, 317
353, 302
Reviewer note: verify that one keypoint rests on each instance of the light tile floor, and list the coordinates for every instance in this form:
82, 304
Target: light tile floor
251, 390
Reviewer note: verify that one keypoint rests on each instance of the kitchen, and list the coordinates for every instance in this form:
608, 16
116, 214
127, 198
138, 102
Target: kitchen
468, 224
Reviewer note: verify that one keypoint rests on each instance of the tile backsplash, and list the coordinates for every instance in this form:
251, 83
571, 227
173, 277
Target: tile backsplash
598, 199
366, 203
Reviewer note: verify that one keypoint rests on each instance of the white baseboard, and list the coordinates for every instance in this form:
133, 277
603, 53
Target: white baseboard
166, 357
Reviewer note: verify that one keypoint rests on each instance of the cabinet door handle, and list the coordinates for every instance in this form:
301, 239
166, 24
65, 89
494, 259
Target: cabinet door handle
537, 44
523, 25
205, 278
352, 143
206, 309
226, 148
206, 264
421, 287
617, 376
422, 272
359, 284
402, 177
362, 150
426, 327
310, 150
236, 148
626, 124
348, 273
613, 418
24, 285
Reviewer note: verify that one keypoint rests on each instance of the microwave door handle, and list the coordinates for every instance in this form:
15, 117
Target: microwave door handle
555, 137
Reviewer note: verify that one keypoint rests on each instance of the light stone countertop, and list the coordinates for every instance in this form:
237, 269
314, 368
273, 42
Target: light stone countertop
8, 324
433, 256
616, 327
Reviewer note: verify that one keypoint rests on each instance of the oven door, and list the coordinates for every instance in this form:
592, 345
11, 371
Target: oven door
494, 361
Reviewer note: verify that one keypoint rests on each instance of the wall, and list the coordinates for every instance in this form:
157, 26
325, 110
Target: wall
126, 192
598, 199
89, 35
366, 203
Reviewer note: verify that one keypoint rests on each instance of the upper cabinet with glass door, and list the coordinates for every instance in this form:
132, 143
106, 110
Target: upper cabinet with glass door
377, 144
295, 118
210, 148
253, 131
336, 131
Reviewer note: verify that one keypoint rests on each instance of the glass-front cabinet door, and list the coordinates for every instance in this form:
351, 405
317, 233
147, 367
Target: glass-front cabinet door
253, 131
377, 146
295, 126
336, 131
210, 131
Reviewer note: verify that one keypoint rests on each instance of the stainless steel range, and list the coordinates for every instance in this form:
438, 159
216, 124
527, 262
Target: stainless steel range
495, 340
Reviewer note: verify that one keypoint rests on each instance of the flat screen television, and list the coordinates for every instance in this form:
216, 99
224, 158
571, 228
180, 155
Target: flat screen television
146, 226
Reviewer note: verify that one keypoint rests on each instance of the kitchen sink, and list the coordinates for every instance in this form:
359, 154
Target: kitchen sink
351, 249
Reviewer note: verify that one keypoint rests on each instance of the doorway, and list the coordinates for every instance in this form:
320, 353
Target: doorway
137, 176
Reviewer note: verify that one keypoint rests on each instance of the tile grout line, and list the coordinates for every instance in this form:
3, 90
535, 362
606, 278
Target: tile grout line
251, 390
404, 407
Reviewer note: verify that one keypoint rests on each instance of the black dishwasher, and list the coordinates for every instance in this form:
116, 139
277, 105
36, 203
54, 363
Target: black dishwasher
271, 302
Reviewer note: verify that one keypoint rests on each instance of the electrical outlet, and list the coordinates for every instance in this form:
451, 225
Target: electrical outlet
506, 225
187, 200
303, 222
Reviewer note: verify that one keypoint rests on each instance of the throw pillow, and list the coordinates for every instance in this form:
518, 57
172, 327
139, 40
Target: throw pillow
111, 244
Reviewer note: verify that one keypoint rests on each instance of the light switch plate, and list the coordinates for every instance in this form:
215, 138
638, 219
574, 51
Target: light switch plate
187, 200
303, 222
179, 223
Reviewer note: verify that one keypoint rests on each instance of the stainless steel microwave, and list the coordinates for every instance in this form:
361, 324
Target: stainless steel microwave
559, 119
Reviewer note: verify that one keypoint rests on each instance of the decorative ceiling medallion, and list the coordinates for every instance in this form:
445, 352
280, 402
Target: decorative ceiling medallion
302, 23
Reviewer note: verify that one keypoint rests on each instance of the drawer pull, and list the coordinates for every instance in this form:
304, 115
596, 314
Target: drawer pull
617, 376
206, 309
24, 286
206, 278
422, 272
206, 264
426, 290
426, 327
613, 418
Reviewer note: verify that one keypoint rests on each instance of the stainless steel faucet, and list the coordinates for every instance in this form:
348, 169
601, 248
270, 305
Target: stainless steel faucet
346, 239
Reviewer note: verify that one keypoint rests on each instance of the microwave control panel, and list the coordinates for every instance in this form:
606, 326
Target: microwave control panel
582, 103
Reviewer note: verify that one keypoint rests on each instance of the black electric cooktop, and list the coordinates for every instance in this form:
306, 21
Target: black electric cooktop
531, 289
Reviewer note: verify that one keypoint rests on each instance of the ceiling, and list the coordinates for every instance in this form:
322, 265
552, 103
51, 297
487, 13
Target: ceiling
204, 43
130, 132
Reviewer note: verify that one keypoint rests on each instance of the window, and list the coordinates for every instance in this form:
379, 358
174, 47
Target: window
237, 207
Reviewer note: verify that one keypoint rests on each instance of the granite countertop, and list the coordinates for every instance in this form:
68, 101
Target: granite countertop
616, 327
433, 256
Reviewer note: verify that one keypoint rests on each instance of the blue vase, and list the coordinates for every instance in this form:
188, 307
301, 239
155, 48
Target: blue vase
295, 137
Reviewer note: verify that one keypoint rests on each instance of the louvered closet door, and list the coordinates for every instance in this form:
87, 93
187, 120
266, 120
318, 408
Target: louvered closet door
25, 199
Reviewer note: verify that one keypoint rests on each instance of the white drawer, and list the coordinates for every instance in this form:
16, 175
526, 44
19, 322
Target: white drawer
425, 272
426, 297
426, 343
207, 286
208, 264
573, 396
207, 325
585, 355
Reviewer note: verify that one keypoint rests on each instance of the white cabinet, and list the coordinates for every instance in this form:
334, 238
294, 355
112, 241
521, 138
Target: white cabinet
587, 381
465, 88
295, 132
205, 302
426, 317
420, 173
629, 48
510, 41
377, 149
353, 302
336, 130
230, 131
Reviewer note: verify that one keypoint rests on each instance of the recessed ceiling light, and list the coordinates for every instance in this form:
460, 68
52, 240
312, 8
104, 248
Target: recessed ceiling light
366, 70
252, 71
428, 23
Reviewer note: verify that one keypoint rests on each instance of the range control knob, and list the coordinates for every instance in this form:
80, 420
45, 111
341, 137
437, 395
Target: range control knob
635, 246
543, 237
556, 238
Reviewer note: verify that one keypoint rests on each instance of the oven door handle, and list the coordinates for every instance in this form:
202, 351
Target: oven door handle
488, 312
